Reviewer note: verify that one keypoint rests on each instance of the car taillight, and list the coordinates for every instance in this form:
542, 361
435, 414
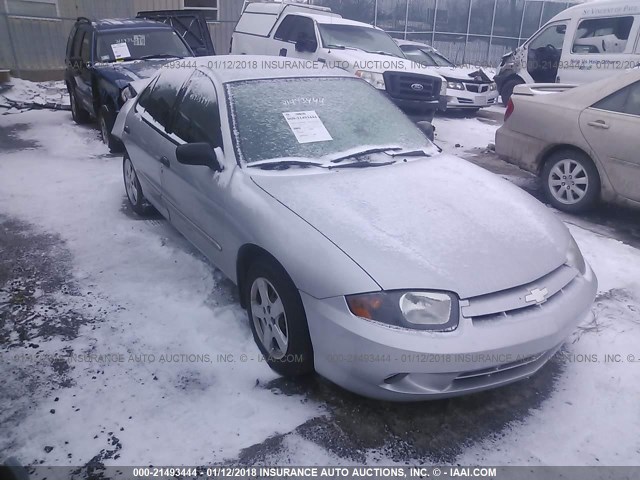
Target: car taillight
510, 108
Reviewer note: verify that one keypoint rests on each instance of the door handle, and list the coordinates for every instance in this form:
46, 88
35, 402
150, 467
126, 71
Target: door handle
599, 124
126, 129
165, 161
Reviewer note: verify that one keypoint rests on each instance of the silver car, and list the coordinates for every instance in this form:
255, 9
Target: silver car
360, 251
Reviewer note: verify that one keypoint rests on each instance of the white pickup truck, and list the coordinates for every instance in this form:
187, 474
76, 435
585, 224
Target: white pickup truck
322, 39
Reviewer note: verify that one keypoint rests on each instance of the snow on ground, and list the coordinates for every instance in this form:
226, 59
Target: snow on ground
19, 92
160, 297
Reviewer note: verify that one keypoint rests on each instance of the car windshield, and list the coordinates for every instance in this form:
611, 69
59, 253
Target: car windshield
425, 57
133, 45
363, 38
315, 120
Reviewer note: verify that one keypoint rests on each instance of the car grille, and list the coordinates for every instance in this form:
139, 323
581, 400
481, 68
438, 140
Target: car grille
477, 87
509, 303
403, 86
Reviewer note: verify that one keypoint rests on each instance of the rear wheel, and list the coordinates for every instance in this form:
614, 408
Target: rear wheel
277, 319
507, 90
571, 181
135, 196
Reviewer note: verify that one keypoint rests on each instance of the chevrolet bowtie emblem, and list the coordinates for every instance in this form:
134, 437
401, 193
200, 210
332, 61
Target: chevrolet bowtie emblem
537, 295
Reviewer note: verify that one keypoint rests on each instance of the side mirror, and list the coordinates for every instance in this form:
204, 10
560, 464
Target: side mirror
306, 44
200, 153
427, 128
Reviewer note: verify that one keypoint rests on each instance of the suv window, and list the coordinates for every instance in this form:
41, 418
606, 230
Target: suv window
198, 117
626, 101
294, 28
85, 47
77, 42
160, 101
602, 35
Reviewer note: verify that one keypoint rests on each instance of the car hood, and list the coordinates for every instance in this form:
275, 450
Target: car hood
463, 73
434, 223
130, 71
373, 62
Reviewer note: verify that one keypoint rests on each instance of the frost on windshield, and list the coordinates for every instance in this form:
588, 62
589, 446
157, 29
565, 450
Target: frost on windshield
352, 112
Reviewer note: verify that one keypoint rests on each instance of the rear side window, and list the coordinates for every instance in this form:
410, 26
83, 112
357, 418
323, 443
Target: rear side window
603, 35
626, 101
85, 47
198, 118
160, 101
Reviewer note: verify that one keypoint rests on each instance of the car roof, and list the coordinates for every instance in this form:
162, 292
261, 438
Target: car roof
326, 19
128, 24
267, 66
599, 7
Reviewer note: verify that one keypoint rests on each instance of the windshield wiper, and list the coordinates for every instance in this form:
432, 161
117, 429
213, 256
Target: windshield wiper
362, 164
157, 55
410, 153
283, 164
365, 152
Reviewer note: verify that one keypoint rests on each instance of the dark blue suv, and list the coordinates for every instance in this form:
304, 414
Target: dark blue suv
103, 57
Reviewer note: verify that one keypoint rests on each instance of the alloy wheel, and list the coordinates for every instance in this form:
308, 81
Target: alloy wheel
130, 181
269, 318
568, 182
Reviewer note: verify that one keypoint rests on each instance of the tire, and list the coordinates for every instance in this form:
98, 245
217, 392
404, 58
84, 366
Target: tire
278, 320
106, 119
507, 90
132, 187
79, 115
571, 181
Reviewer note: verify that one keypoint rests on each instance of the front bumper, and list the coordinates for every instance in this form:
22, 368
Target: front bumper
422, 106
388, 363
457, 99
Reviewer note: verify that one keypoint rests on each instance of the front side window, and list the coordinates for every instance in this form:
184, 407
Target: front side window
197, 118
306, 119
626, 101
367, 39
162, 97
295, 28
140, 44
85, 48
602, 35
551, 37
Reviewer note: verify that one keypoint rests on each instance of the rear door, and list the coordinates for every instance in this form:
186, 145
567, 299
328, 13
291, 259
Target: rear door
191, 25
611, 128
194, 194
83, 53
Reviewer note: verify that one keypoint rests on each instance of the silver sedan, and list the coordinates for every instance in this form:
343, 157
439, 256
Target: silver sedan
360, 251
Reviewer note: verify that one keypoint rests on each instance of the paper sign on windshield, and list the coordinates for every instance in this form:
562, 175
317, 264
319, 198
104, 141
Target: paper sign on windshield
120, 51
307, 126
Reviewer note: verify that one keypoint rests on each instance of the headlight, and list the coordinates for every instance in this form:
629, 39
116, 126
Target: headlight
575, 258
493, 87
455, 85
420, 310
374, 78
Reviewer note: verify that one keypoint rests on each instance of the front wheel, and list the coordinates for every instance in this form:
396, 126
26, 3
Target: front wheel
277, 319
571, 181
106, 119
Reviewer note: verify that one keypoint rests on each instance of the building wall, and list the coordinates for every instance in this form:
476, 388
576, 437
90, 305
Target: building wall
33, 46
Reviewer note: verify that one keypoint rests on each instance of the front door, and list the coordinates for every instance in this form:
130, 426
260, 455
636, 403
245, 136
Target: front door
194, 194
611, 128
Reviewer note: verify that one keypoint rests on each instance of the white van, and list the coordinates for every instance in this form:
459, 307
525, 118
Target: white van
579, 45
323, 39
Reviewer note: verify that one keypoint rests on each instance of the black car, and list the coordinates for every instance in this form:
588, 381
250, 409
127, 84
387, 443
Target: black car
104, 56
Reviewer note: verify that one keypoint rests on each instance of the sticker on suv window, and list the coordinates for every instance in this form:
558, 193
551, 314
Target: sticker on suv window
139, 40
120, 51
307, 126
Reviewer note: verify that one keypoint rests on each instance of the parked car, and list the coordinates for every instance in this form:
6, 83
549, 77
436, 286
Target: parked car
315, 34
582, 44
104, 56
583, 141
467, 88
359, 250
